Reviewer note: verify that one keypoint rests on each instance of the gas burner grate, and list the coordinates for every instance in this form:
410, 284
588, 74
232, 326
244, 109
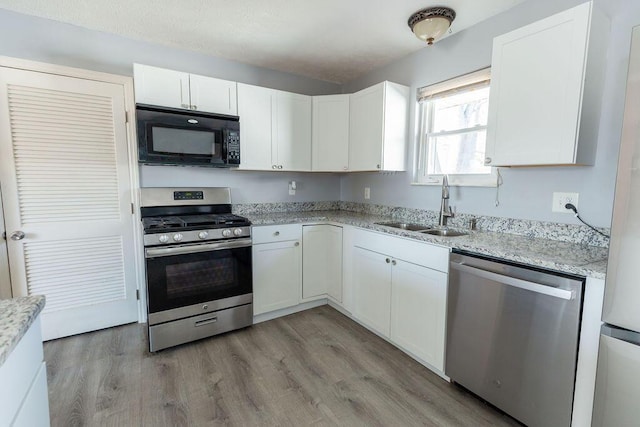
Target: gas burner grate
162, 222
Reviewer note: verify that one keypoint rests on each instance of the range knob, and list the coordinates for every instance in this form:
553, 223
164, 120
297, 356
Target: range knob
177, 237
203, 235
237, 232
226, 233
163, 238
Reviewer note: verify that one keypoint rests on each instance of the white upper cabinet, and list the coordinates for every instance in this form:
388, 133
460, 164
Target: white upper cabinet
255, 111
275, 129
330, 133
546, 88
292, 131
158, 86
213, 95
175, 89
378, 128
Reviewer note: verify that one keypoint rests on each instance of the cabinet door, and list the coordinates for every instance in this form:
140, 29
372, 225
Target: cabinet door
418, 307
372, 289
536, 91
159, 86
292, 131
334, 262
277, 276
315, 262
213, 95
254, 109
35, 407
366, 129
330, 133
322, 261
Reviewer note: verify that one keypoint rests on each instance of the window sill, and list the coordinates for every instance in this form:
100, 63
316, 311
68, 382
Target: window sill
490, 181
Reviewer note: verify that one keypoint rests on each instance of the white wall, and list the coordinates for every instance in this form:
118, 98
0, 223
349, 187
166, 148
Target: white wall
526, 192
248, 186
49, 41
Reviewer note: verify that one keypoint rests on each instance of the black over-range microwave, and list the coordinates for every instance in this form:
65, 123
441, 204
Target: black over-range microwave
171, 136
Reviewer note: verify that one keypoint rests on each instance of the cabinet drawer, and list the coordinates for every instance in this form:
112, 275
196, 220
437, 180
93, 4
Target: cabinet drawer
413, 251
276, 233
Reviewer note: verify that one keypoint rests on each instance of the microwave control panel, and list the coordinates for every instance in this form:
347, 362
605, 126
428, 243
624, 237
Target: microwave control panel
233, 147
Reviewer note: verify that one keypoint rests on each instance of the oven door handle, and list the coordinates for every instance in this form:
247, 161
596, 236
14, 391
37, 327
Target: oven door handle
192, 249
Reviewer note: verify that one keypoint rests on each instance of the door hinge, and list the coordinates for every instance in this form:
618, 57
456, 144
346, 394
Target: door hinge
138, 294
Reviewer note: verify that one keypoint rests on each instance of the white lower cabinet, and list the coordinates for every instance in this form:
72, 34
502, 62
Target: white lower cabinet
403, 300
322, 262
23, 383
277, 267
418, 309
372, 288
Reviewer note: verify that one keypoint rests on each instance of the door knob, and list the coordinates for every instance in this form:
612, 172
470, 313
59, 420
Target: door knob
17, 235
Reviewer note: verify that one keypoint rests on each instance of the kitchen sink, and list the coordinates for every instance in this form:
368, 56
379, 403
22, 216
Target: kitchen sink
444, 232
406, 226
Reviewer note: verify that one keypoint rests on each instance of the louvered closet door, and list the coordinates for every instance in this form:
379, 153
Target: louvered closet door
66, 185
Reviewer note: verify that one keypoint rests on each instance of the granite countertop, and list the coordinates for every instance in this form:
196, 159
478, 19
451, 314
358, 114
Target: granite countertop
582, 260
16, 316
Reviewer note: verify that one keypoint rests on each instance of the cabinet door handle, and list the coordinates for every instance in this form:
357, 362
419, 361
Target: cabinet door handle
378, 166
387, 260
279, 166
274, 167
186, 106
194, 107
297, 244
393, 262
277, 233
487, 160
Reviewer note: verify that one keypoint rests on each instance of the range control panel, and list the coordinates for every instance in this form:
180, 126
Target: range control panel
188, 195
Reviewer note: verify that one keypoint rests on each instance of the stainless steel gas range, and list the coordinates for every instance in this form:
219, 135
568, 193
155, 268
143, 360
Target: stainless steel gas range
198, 265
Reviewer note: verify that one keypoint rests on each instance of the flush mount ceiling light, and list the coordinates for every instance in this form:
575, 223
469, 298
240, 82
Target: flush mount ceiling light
430, 23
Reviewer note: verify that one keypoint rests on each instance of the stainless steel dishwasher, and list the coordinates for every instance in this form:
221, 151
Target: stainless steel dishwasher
512, 337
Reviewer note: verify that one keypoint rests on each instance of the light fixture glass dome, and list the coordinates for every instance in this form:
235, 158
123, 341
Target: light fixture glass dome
430, 23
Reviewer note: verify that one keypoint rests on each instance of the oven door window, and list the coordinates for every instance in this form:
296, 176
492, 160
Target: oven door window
182, 280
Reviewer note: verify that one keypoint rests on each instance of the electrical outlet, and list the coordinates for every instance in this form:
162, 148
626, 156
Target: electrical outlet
367, 193
561, 199
292, 188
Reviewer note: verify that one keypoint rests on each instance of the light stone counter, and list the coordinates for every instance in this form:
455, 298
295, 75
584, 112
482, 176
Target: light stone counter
564, 257
16, 316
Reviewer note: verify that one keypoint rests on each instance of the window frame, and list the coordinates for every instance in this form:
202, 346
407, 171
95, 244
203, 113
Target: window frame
424, 111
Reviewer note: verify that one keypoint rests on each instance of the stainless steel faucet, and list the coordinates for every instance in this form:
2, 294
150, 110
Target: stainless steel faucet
445, 210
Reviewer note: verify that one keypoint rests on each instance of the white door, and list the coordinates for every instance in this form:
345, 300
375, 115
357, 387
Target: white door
334, 262
277, 276
330, 133
159, 86
418, 308
5, 280
213, 95
366, 128
66, 186
315, 263
254, 109
292, 131
372, 289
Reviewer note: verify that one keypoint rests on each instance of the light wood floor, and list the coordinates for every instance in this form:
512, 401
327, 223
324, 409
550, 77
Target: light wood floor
312, 368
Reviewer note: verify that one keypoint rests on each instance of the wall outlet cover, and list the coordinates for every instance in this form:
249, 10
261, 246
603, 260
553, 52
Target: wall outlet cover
561, 199
367, 193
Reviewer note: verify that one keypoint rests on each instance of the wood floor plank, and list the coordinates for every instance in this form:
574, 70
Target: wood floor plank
315, 368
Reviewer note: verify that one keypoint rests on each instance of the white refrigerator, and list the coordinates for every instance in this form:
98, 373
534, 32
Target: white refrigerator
617, 398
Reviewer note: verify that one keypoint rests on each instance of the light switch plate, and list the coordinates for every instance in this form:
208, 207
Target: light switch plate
561, 199
367, 193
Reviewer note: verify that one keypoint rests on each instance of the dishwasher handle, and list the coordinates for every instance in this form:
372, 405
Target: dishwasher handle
518, 283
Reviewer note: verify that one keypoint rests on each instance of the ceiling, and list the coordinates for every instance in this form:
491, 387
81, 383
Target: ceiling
332, 40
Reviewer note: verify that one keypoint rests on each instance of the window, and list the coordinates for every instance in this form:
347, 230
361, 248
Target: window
453, 131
